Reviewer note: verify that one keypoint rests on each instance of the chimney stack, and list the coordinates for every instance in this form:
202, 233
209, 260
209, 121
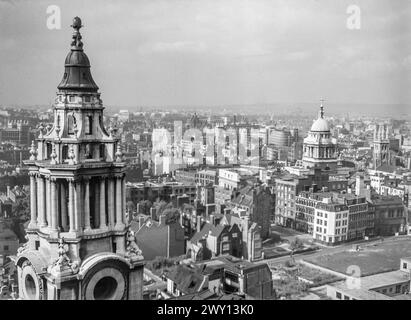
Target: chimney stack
212, 219
140, 221
153, 213
163, 219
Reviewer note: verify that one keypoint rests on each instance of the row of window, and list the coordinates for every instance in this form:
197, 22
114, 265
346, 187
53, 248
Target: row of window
339, 296
73, 99
341, 223
88, 151
88, 124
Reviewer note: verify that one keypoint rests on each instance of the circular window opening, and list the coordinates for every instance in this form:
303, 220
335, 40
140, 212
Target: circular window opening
30, 286
105, 289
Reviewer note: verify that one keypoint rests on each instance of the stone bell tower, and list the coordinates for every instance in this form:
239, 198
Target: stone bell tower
79, 245
381, 145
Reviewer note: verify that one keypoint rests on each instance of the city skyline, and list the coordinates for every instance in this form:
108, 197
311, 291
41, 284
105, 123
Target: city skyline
214, 53
171, 192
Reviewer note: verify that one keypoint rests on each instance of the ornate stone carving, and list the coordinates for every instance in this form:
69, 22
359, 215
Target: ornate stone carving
63, 264
53, 155
41, 128
24, 247
119, 154
71, 156
132, 250
33, 151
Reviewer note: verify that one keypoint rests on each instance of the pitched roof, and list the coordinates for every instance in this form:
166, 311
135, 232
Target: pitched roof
202, 233
244, 197
189, 280
208, 229
386, 168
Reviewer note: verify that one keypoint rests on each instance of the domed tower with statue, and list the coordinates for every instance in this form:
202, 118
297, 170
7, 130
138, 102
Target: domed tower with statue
79, 245
320, 148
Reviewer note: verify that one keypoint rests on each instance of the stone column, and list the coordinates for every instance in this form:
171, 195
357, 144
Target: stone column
71, 205
33, 201
53, 204
77, 206
48, 201
41, 197
87, 204
119, 203
96, 215
110, 202
63, 207
103, 224
124, 199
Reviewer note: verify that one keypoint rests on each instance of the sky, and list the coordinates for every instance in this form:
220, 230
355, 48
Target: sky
214, 52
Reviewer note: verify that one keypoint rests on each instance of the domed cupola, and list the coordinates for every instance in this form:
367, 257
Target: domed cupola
320, 125
77, 75
319, 146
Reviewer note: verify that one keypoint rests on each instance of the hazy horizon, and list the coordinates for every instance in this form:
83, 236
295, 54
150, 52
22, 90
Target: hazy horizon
214, 53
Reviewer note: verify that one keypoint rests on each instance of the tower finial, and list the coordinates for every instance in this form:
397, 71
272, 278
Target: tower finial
76, 23
322, 108
76, 44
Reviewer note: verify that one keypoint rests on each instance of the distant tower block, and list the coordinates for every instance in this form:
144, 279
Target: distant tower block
381, 152
79, 245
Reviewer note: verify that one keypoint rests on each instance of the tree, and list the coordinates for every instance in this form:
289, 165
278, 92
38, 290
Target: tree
130, 206
172, 215
144, 206
296, 244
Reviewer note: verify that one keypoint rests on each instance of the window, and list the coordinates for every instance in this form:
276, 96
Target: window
404, 265
88, 153
89, 125
71, 122
49, 150
346, 298
102, 150
65, 152
71, 99
87, 99
226, 247
6, 248
234, 235
338, 295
